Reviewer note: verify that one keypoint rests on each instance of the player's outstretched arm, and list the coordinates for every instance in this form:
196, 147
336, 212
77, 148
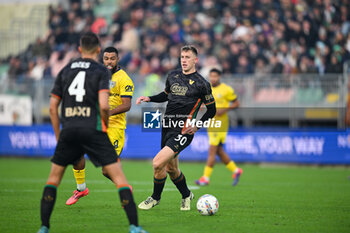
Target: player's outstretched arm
143, 99
161, 97
55, 121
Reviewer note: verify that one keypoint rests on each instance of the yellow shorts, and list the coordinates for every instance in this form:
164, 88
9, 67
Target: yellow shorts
117, 138
217, 138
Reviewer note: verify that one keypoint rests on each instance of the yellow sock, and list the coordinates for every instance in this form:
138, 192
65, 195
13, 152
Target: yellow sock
207, 171
231, 166
80, 179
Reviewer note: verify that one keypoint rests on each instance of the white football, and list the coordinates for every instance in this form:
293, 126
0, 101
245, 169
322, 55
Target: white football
207, 205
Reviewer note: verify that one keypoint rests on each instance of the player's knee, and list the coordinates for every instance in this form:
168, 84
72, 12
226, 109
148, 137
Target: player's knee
171, 171
157, 166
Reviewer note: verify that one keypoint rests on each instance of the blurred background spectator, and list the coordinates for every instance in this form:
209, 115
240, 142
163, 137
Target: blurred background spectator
238, 36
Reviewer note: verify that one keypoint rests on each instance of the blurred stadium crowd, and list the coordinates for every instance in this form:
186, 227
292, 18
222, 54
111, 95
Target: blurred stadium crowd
237, 36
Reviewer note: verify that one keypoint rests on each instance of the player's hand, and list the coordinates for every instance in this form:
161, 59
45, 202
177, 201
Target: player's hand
143, 99
190, 130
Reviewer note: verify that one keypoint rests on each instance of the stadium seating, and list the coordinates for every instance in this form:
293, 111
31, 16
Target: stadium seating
274, 95
21, 25
309, 95
332, 97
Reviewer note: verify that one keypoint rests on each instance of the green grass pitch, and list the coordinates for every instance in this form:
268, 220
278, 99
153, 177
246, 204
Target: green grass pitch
267, 199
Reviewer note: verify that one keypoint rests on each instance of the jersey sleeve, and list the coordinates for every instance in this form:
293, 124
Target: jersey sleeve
57, 88
231, 95
104, 81
126, 87
206, 94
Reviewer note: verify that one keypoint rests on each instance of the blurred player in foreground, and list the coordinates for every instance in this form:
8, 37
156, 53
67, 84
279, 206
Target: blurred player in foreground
185, 90
226, 100
83, 88
121, 88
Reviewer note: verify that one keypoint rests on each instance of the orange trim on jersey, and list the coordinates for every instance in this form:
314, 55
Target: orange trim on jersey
191, 114
194, 108
56, 96
103, 124
51, 183
123, 185
103, 90
210, 102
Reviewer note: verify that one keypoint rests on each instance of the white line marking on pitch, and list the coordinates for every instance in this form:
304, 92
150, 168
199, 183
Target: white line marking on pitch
95, 190
41, 180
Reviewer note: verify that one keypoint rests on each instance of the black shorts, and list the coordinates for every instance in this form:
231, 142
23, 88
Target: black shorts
73, 143
175, 140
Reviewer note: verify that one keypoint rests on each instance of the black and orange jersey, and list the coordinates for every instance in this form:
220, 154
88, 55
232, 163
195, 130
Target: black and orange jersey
186, 93
78, 85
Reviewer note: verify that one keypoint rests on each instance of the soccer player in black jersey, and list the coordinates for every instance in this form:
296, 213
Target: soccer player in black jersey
83, 89
185, 91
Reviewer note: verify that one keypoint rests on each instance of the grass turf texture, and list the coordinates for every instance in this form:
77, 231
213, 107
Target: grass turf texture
267, 199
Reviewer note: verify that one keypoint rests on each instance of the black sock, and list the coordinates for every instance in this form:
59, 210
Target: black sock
158, 185
47, 204
181, 185
128, 204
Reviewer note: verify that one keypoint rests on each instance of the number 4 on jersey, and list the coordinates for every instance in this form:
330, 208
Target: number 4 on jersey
77, 86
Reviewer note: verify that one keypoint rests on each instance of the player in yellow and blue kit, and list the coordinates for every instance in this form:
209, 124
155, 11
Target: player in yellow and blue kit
121, 91
121, 88
226, 100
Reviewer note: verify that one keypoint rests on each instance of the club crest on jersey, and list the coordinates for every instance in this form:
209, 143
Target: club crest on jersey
191, 81
112, 84
176, 89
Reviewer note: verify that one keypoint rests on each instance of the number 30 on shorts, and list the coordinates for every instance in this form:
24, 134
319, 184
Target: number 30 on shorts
181, 139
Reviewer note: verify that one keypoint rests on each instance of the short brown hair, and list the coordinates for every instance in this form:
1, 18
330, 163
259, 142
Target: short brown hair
89, 42
190, 48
